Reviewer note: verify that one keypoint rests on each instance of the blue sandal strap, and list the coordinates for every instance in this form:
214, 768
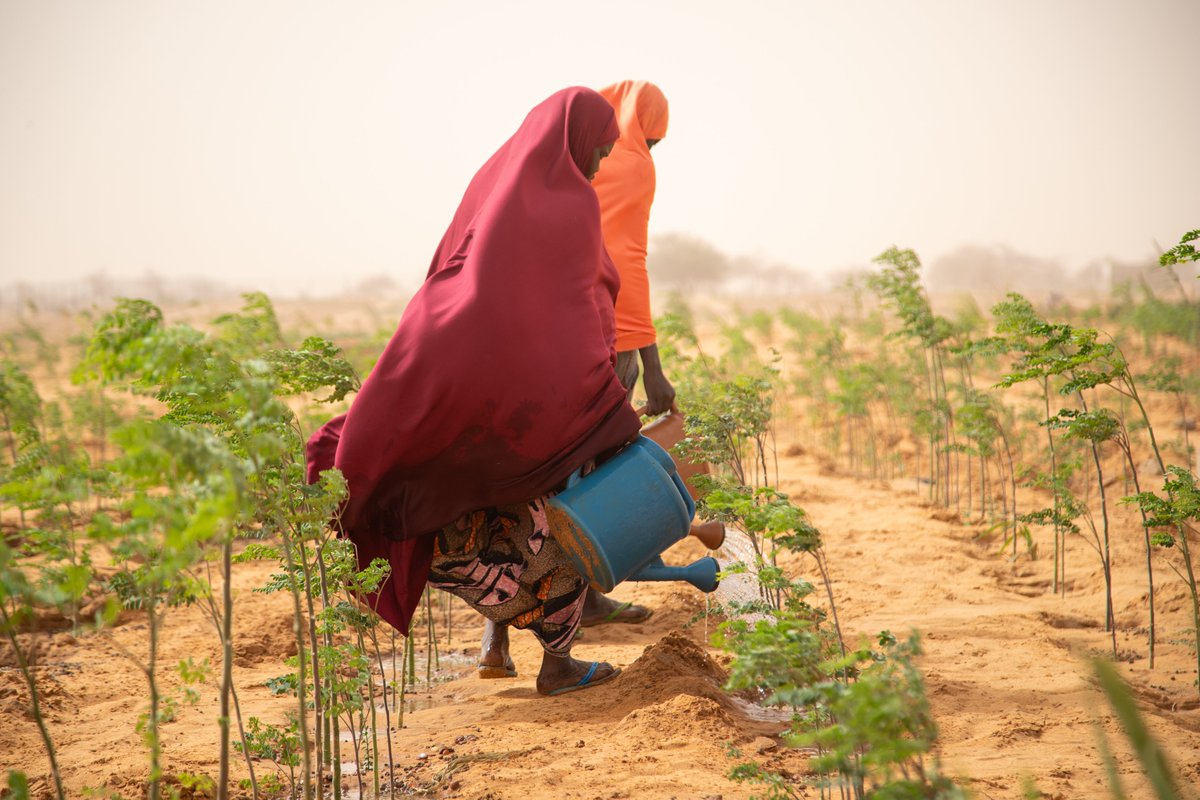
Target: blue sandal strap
591, 671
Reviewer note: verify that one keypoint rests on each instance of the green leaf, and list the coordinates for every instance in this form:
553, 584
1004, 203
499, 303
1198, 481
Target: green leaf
18, 786
1149, 754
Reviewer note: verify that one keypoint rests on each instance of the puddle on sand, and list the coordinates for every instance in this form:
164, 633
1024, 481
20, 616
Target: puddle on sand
448, 666
418, 696
759, 713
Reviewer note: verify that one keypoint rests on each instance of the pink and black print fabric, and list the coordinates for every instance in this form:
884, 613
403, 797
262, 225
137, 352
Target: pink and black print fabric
507, 565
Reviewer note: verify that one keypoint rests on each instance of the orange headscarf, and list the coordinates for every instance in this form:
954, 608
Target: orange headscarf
625, 186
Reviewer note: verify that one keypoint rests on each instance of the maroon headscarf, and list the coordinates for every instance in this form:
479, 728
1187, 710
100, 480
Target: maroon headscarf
499, 380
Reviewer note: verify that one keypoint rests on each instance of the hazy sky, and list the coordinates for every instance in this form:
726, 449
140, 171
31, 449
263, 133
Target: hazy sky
306, 145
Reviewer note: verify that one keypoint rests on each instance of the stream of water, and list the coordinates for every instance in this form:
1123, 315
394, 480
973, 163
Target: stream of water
743, 587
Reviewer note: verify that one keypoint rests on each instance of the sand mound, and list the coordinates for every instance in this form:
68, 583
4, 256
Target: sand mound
674, 667
665, 664
673, 697
685, 718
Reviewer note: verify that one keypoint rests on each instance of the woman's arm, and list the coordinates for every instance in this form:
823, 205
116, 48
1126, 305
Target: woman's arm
660, 394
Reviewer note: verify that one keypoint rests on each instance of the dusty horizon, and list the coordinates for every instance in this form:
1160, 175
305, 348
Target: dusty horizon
310, 149
985, 274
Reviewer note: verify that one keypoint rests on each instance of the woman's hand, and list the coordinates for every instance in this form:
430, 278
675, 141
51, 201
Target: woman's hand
660, 394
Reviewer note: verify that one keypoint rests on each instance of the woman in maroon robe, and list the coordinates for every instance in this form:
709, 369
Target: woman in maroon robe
497, 385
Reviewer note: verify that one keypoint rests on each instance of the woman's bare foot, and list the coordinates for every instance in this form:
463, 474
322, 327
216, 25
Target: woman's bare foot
562, 674
494, 660
600, 609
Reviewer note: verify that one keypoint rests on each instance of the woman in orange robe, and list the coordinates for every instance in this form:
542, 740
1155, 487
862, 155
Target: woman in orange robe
625, 186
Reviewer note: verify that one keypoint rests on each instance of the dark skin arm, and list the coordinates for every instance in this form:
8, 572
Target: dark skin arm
660, 394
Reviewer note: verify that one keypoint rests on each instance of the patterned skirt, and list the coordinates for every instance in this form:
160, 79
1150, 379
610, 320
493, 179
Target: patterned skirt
506, 564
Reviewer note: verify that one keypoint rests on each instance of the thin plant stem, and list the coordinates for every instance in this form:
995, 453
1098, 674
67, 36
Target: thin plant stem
226, 630
320, 721
395, 681
333, 742
301, 691
387, 712
237, 711
1181, 529
825, 579
1109, 620
1059, 535
152, 723
215, 618
35, 703
1137, 488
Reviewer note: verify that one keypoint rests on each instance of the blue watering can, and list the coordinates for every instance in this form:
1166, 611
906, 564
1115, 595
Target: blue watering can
616, 521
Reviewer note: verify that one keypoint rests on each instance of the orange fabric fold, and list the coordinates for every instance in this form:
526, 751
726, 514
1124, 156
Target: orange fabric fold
625, 187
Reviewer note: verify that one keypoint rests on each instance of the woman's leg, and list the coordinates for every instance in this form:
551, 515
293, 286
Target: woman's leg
600, 609
507, 565
494, 659
556, 631
559, 673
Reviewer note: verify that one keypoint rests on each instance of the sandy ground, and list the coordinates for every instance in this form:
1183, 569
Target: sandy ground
1005, 664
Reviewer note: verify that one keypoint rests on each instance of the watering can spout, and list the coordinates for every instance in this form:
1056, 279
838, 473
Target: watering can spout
702, 574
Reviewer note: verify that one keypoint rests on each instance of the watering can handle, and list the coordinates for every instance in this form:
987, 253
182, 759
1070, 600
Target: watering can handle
642, 411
